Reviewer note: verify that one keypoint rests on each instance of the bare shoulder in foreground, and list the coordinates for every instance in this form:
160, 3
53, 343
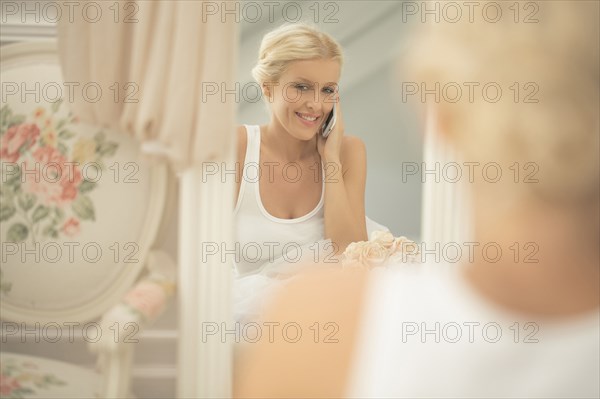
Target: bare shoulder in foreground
326, 305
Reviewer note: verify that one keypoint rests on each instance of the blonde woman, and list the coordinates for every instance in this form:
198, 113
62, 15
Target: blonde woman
297, 187
512, 328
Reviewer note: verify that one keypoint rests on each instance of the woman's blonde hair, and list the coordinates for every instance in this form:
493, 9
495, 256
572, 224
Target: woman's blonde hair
548, 111
293, 42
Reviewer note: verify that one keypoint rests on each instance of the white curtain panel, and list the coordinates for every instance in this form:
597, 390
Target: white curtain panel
155, 58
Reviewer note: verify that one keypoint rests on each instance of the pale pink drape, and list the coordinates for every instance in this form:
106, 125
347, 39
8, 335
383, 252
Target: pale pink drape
159, 53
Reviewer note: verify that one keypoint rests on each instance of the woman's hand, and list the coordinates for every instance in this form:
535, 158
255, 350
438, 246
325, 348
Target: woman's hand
329, 148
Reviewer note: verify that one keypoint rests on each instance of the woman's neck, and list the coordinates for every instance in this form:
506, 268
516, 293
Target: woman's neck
549, 264
285, 146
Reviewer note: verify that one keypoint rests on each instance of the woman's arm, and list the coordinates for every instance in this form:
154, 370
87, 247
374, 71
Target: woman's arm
240, 159
345, 163
345, 180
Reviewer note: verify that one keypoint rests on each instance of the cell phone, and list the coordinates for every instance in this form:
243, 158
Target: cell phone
329, 123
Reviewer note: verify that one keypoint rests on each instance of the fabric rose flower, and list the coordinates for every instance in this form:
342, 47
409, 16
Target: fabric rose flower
385, 239
17, 139
373, 254
353, 251
382, 249
364, 254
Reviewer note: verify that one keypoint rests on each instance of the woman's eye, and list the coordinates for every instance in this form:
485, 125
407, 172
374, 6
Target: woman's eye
329, 90
302, 87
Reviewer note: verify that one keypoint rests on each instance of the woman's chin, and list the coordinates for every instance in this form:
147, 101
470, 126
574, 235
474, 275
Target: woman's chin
307, 136
303, 132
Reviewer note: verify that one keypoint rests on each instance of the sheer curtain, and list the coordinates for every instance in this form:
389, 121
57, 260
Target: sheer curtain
150, 60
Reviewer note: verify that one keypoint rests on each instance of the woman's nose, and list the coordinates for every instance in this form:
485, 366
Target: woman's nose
314, 104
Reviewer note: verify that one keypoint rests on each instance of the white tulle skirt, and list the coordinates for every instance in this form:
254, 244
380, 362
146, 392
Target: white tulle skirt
252, 292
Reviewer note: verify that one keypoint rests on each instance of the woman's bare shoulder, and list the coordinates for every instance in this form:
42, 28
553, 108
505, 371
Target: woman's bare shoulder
352, 146
350, 141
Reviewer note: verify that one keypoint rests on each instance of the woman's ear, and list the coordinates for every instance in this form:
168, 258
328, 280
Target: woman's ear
267, 90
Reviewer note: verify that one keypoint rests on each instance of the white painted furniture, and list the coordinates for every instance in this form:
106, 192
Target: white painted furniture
79, 211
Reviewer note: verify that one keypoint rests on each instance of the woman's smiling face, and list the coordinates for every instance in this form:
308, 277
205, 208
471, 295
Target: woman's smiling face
304, 96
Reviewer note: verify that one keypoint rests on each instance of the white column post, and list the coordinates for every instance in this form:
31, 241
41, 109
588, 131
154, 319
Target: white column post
204, 290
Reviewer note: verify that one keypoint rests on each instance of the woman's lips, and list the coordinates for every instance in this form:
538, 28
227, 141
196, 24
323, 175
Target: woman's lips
308, 122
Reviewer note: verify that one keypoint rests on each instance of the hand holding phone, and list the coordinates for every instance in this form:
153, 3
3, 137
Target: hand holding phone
329, 123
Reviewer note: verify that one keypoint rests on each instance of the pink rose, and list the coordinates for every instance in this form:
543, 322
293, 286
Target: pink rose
71, 227
8, 384
382, 250
373, 254
48, 155
365, 253
385, 239
55, 182
147, 297
353, 250
16, 138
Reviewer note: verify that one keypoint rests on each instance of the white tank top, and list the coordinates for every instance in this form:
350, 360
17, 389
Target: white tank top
426, 333
261, 238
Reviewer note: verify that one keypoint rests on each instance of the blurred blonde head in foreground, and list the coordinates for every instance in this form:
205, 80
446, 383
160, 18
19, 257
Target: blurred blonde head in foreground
549, 118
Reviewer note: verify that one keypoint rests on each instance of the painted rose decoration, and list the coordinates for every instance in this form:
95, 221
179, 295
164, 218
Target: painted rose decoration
43, 191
